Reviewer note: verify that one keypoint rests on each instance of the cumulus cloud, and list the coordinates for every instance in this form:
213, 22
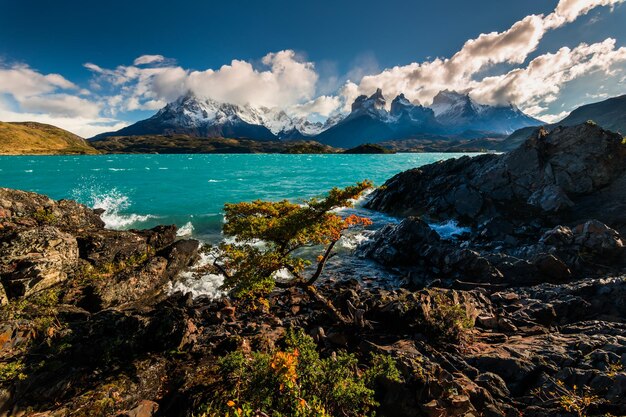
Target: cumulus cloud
22, 81
284, 80
49, 98
543, 78
569, 10
60, 105
323, 106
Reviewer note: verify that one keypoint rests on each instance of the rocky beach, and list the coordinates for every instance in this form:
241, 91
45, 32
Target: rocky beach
521, 314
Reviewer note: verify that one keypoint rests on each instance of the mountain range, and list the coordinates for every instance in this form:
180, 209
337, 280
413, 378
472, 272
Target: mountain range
456, 122
451, 114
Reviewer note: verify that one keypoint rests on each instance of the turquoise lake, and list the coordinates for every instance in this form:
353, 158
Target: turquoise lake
142, 191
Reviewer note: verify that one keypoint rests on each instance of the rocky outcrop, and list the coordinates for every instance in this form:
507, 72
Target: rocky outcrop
44, 243
547, 177
528, 211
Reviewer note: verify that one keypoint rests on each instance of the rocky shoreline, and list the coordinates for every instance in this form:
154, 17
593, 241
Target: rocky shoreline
522, 315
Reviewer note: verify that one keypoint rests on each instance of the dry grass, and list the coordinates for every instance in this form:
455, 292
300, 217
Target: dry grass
29, 138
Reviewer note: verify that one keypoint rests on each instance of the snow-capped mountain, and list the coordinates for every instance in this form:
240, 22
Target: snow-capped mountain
459, 113
369, 121
204, 117
452, 114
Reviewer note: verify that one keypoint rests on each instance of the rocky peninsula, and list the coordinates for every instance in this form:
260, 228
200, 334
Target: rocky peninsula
521, 314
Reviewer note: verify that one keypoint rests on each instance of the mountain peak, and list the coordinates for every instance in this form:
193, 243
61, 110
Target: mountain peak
374, 104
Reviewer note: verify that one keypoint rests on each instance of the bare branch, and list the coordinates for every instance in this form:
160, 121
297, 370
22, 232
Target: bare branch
221, 269
322, 263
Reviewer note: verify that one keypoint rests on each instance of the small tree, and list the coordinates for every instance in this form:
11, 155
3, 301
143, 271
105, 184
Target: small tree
269, 237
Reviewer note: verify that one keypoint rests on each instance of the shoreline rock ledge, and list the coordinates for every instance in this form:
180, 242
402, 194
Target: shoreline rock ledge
551, 210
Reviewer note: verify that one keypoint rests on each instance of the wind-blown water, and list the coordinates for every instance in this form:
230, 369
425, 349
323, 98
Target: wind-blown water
140, 191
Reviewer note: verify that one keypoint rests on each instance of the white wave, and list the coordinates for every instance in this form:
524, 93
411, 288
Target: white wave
199, 285
113, 203
118, 169
449, 229
185, 230
28, 170
216, 180
352, 241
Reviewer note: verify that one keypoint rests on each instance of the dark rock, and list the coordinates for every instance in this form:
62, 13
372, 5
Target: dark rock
35, 259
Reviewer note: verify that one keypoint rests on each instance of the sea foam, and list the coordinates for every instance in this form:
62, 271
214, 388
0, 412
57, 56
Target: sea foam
185, 230
208, 284
114, 203
449, 229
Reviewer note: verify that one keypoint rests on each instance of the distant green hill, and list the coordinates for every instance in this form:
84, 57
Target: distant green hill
30, 138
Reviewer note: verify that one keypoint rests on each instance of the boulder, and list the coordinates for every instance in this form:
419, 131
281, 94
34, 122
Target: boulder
35, 259
550, 198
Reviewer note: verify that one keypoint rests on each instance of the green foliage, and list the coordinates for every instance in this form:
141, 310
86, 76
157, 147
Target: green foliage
591, 123
624, 140
615, 369
573, 400
268, 236
447, 321
45, 216
12, 371
95, 272
297, 382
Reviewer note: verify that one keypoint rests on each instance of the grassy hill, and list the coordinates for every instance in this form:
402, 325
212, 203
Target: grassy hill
30, 138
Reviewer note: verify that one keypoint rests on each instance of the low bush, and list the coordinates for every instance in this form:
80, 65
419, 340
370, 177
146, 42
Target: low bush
297, 382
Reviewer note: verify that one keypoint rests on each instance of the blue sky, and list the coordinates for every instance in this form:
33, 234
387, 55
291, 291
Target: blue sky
74, 62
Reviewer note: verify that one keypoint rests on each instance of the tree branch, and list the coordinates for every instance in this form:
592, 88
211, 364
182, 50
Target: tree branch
330, 308
322, 263
221, 269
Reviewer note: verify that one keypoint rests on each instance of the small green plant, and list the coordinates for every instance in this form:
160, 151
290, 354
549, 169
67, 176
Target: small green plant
91, 272
447, 321
615, 369
45, 216
297, 382
624, 140
573, 400
591, 123
12, 371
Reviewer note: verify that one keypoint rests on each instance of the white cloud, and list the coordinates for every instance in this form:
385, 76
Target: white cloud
553, 118
541, 81
286, 80
52, 99
533, 87
60, 105
22, 81
323, 106
149, 59
569, 10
